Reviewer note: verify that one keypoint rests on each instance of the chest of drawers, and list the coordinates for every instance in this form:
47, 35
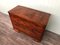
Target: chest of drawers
29, 21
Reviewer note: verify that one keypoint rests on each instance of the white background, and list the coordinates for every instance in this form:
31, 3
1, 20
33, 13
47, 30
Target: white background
50, 6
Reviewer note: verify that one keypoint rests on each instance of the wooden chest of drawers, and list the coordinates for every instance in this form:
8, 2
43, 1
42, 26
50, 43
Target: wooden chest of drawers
29, 21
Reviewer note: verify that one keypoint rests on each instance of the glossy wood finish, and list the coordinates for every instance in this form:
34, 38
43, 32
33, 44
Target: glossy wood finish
9, 37
31, 22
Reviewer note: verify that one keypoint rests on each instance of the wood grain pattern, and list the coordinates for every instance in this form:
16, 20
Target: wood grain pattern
9, 37
29, 21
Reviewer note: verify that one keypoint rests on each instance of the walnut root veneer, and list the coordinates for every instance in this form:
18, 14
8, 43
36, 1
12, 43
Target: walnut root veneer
29, 21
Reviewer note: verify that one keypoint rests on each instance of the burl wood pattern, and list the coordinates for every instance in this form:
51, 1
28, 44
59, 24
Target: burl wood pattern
31, 22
